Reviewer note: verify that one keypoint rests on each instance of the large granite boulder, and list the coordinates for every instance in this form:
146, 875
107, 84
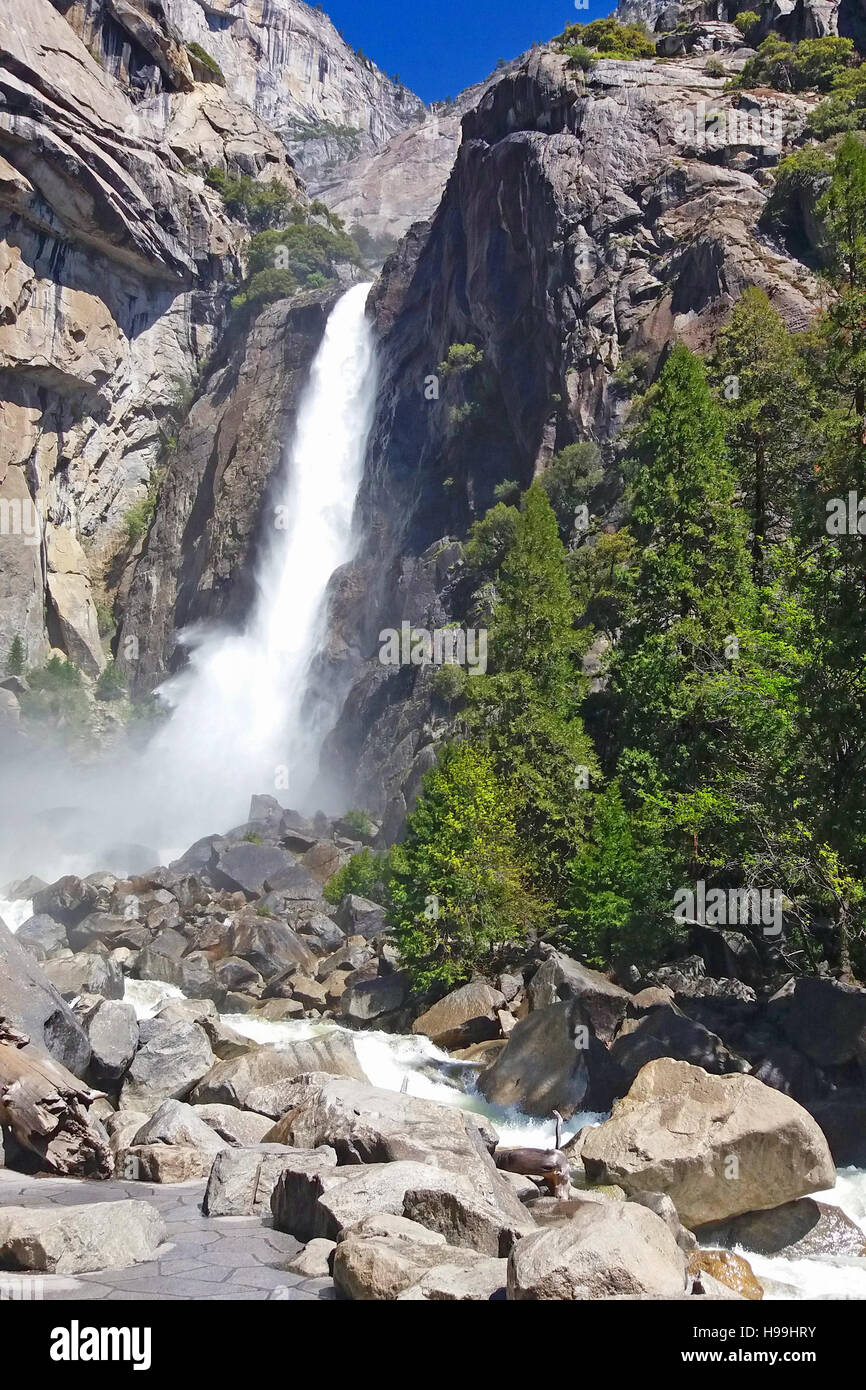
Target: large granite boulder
560, 977
717, 1145
79, 1239
553, 1061
384, 1256
167, 1067
112, 1030
32, 1005
465, 1016
262, 1080
242, 1181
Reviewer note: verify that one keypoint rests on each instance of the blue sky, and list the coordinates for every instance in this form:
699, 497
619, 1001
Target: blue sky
438, 47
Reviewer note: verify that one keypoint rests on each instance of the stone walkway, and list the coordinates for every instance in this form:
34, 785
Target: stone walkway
228, 1257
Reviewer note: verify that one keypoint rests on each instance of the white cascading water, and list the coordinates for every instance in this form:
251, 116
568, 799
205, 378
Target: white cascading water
237, 708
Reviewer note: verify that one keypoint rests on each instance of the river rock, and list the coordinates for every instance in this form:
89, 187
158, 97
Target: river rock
87, 973
270, 946
32, 1005
167, 1067
366, 1124
364, 1000
801, 1230
823, 1018
248, 867
67, 901
545, 1065
327, 1203
607, 1249
728, 1268
666, 1033
717, 1145
240, 1128
79, 1239
177, 1123
162, 1163
241, 1181
43, 933
360, 917
315, 1260
262, 1080
465, 1016
385, 1256
560, 977
112, 1030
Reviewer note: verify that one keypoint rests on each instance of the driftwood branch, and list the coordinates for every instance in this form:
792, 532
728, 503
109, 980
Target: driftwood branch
45, 1108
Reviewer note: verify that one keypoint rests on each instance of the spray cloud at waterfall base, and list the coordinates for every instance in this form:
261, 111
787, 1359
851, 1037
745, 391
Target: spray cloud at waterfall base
241, 720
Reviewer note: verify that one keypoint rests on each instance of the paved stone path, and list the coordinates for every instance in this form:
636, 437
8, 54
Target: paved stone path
227, 1257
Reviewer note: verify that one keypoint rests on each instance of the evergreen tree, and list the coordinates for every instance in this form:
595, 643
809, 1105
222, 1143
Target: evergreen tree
457, 884
15, 658
526, 710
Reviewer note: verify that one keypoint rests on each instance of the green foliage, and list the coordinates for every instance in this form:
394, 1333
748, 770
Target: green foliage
580, 57
811, 65
745, 21
457, 884
259, 203
801, 178
204, 58
490, 538
15, 657
609, 39
136, 522
621, 889
569, 481
55, 695
359, 821
714, 67
266, 286
461, 357
845, 107
449, 682
110, 684
363, 874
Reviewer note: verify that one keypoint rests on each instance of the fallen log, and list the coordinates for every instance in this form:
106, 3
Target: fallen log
45, 1109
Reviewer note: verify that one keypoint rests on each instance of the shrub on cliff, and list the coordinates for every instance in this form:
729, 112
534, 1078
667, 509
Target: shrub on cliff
609, 39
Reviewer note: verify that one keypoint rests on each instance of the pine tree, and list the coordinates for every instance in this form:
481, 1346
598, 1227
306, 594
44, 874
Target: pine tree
457, 884
526, 710
15, 658
768, 406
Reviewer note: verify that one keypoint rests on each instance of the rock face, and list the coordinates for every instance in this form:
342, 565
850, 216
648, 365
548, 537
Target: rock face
30, 1002
580, 227
717, 1145
77, 1240
606, 1249
113, 262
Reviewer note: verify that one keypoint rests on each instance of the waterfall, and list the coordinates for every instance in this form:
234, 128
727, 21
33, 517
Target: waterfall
237, 723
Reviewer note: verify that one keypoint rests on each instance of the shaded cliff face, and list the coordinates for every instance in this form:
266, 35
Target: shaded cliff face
583, 224
113, 265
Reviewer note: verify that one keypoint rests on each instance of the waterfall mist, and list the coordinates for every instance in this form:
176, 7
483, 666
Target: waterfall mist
238, 720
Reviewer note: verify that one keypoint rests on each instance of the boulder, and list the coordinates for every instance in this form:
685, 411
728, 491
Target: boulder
553, 1061
32, 1005
823, 1018
366, 1124
161, 959
309, 992
242, 1181
360, 917
717, 1145
323, 931
87, 973
328, 1203
179, 1124
112, 1031
365, 1000
162, 1163
666, 1033
385, 1256
560, 977
79, 1239
44, 934
67, 901
110, 930
174, 1058
607, 1249
249, 867
314, 1261
727, 1268
261, 1079
240, 1128
842, 1117
801, 1230
270, 947
465, 1016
